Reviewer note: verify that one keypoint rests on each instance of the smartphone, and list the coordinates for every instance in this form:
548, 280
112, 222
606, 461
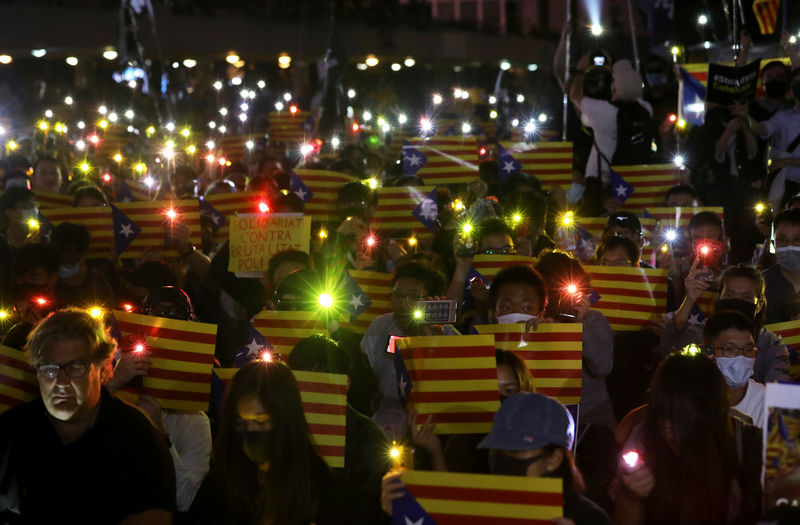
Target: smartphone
599, 60
708, 252
466, 246
631, 460
436, 312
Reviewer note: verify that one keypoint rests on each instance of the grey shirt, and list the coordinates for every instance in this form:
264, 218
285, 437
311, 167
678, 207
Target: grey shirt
778, 291
598, 360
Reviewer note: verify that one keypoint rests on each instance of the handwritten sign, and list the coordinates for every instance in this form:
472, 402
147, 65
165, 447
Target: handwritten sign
254, 239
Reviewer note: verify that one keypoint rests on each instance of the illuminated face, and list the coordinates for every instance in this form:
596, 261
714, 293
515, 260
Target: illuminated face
507, 384
616, 230
497, 242
734, 342
616, 256
87, 202
71, 399
681, 199
47, 177
405, 295
740, 288
787, 234
251, 415
517, 299
707, 231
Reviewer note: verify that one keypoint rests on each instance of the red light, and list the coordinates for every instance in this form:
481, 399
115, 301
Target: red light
171, 214
293, 109
704, 250
107, 177
127, 307
94, 139
483, 152
221, 161
41, 301
371, 241
139, 348
355, 127
673, 117
263, 207
571, 288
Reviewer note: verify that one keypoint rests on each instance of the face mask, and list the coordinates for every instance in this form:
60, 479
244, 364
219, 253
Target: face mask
65, 271
738, 305
736, 370
32, 213
515, 318
656, 79
257, 446
789, 258
504, 465
775, 88
796, 90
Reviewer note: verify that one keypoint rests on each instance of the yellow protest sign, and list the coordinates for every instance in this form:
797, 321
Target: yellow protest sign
256, 238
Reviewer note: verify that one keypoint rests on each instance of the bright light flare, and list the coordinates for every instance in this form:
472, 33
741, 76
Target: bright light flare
670, 235
437, 99
702, 20
679, 161
572, 289
41, 301
760, 207
171, 214
96, 312
325, 300
263, 207
306, 149
596, 29
33, 224
631, 458
425, 124
567, 219
466, 128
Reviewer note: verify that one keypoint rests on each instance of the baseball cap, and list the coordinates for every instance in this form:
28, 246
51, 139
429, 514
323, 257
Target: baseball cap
526, 421
625, 219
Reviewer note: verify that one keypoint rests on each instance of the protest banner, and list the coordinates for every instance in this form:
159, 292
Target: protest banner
255, 238
781, 452
727, 84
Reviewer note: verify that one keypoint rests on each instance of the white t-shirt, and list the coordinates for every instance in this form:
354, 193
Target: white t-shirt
601, 116
752, 403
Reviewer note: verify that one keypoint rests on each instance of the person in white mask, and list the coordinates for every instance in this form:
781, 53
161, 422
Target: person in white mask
783, 279
729, 339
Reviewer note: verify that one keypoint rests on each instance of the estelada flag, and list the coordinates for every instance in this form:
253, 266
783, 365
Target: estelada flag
285, 126
699, 70
324, 184
156, 225
18, 382
46, 199
451, 498
182, 353
324, 398
237, 147
596, 225
96, 219
789, 332
553, 354
490, 265
550, 162
453, 378
766, 12
377, 287
650, 183
396, 207
284, 329
679, 216
629, 297
450, 160
232, 204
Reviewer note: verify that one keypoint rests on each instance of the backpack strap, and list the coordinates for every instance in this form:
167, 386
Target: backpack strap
793, 144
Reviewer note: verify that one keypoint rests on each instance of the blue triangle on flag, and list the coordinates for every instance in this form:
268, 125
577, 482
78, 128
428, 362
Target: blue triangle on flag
693, 96
406, 510
217, 218
125, 230
696, 316
252, 349
594, 297
298, 187
45, 228
413, 159
618, 187
427, 211
506, 164
404, 384
357, 300
646, 214
124, 194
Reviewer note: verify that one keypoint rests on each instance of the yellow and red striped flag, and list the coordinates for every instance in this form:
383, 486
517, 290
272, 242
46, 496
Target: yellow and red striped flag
285, 126
154, 220
451, 498
629, 297
237, 147
182, 353
46, 199
699, 70
650, 184
789, 332
550, 162
679, 216
766, 12
452, 378
324, 185
96, 219
284, 329
447, 160
396, 208
377, 287
18, 383
110, 144
553, 354
231, 204
487, 266
596, 225
324, 398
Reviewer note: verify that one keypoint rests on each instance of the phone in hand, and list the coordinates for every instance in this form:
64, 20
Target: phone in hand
708, 252
436, 312
465, 246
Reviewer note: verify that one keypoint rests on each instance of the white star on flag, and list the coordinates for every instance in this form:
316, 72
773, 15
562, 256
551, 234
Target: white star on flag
402, 384
428, 209
127, 229
621, 190
418, 522
414, 160
253, 347
356, 302
216, 218
694, 319
300, 193
508, 167
127, 198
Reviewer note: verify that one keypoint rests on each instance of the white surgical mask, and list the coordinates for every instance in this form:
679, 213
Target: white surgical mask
736, 370
789, 258
515, 318
65, 271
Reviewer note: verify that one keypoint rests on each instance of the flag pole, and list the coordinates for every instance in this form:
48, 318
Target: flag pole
567, 65
633, 36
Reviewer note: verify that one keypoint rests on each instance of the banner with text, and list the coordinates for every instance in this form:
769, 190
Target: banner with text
254, 239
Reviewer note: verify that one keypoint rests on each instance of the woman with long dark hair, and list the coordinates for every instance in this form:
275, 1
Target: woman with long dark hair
265, 469
694, 462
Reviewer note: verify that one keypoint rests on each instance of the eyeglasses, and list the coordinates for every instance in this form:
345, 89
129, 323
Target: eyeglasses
732, 350
398, 295
505, 250
780, 242
73, 369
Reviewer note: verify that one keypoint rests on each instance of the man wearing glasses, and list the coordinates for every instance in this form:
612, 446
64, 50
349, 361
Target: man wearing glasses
76, 439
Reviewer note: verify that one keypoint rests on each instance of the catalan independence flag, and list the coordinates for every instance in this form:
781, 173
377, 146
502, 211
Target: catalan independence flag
46, 199
766, 12
286, 126
324, 398
154, 220
376, 288
232, 204
790, 334
650, 183
679, 216
450, 498
237, 147
284, 329
324, 185
97, 220
490, 265
182, 354
699, 70
396, 208
553, 354
629, 297
443, 160
18, 383
550, 162
454, 379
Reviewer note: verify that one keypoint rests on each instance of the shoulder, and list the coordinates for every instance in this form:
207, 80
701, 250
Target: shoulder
767, 339
380, 325
584, 511
596, 320
18, 419
597, 107
646, 105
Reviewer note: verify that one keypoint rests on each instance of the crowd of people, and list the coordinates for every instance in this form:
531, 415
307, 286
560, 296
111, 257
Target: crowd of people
685, 393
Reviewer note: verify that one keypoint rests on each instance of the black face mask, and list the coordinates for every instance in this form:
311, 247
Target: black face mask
796, 90
504, 465
775, 88
257, 445
746, 308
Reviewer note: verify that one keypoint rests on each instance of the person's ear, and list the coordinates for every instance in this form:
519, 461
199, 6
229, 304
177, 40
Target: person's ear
554, 460
106, 372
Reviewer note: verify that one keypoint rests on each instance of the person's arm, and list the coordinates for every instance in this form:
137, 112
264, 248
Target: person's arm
149, 517
694, 286
772, 362
745, 43
722, 145
559, 60
598, 343
790, 49
191, 454
759, 128
576, 83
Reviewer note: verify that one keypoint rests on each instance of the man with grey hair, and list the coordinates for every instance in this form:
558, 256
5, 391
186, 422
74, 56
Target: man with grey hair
75, 453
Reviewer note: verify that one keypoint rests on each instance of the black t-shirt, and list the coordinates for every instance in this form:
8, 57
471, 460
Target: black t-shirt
584, 511
119, 467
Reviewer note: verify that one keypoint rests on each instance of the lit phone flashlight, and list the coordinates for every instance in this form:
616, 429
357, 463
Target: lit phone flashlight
631, 459
436, 312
